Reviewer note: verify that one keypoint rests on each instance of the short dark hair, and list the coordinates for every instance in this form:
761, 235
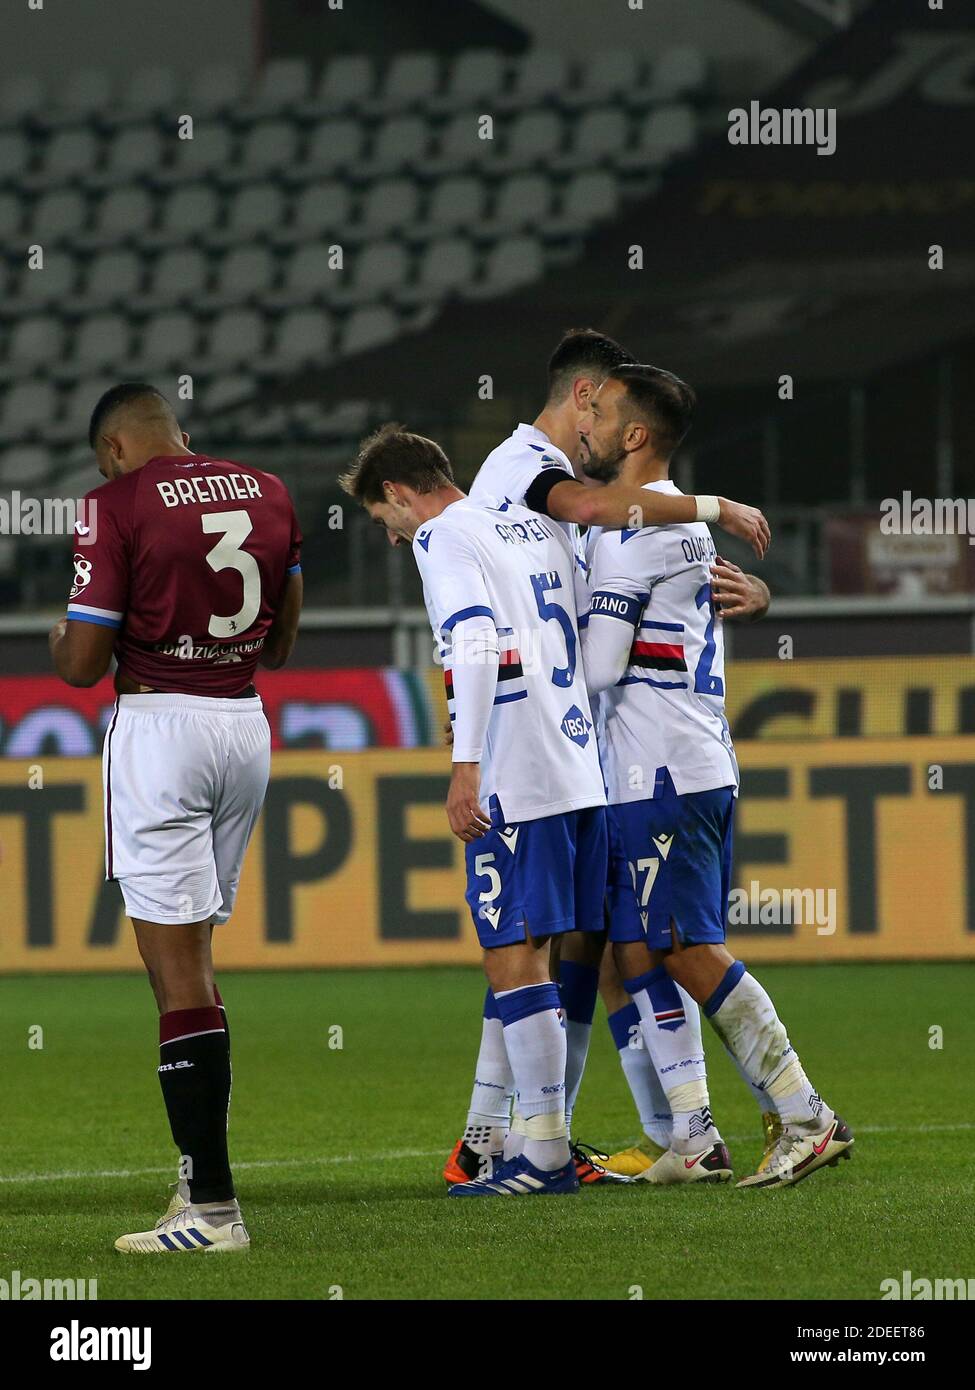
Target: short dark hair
393, 454
582, 352
657, 399
123, 394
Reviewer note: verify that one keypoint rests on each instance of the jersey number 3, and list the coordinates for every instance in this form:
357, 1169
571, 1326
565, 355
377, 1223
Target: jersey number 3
233, 529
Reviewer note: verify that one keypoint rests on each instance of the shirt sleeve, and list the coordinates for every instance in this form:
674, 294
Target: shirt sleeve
464, 625
100, 589
621, 583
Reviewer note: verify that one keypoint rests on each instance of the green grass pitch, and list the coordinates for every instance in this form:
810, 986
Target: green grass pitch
338, 1151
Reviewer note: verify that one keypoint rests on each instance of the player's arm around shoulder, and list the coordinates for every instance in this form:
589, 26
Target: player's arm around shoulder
618, 506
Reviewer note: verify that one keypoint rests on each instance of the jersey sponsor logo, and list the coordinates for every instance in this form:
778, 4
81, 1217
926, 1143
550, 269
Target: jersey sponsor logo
576, 726
82, 575
188, 649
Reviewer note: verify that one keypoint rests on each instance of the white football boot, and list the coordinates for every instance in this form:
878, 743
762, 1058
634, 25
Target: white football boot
710, 1165
796, 1155
189, 1229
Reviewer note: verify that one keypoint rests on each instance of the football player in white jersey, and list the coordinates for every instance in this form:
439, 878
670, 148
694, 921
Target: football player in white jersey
655, 651
534, 458
526, 793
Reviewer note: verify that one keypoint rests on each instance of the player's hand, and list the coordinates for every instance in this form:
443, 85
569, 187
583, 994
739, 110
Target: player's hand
735, 593
467, 820
747, 523
448, 734
57, 632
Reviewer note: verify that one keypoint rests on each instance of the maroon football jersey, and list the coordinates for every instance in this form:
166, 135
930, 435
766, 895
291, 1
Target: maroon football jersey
187, 557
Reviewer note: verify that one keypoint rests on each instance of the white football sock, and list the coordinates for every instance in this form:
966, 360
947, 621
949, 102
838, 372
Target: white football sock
489, 1116
671, 1024
744, 1017
535, 1041
641, 1076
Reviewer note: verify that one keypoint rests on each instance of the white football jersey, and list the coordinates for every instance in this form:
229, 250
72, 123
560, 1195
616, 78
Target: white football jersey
500, 565
655, 649
511, 468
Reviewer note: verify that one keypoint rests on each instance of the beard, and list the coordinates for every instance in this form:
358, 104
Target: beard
603, 465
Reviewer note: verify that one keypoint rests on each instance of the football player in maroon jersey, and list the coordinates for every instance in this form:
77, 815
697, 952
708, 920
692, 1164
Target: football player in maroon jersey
187, 572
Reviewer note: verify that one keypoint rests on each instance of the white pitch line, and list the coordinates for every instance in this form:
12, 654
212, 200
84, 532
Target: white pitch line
389, 1155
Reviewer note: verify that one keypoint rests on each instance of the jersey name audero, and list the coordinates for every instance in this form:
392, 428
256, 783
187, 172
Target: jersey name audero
667, 710
501, 561
186, 558
511, 468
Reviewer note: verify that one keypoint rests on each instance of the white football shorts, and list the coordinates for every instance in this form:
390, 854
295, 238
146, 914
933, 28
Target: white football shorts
184, 778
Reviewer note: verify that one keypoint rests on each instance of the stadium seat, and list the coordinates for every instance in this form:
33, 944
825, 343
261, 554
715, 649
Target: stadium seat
534, 137
179, 275
113, 277
69, 155
389, 204
605, 76
254, 211
102, 341
679, 72
282, 87
522, 201
216, 88
267, 147
540, 75
22, 94
600, 134
446, 267
134, 152
79, 99
35, 342
16, 153
302, 337
235, 337
58, 216
210, 151
52, 284
461, 147
318, 209
26, 407
151, 92
228, 390
187, 213
410, 80
588, 198
120, 214
455, 202
367, 328
512, 262
664, 133
245, 272
334, 145
169, 339
476, 75
11, 216
401, 142
346, 82
24, 466
380, 268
